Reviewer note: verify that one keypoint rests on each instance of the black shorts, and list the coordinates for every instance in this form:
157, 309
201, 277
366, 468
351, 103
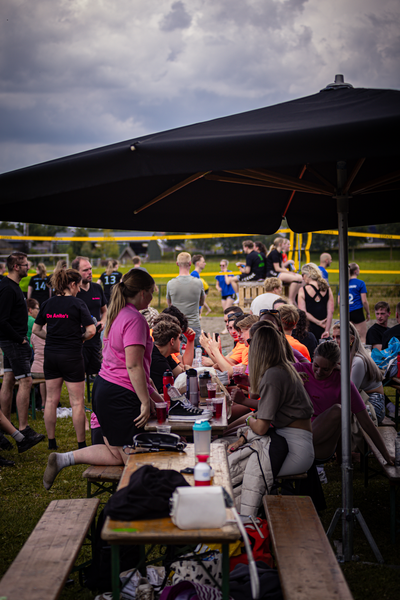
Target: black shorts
357, 316
116, 407
226, 297
17, 358
247, 277
92, 357
69, 366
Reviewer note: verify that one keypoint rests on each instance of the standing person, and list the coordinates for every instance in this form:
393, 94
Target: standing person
93, 296
2, 271
33, 309
137, 263
224, 286
199, 264
358, 301
14, 343
24, 283
325, 261
109, 278
39, 285
275, 268
377, 331
38, 345
64, 315
186, 293
316, 299
122, 391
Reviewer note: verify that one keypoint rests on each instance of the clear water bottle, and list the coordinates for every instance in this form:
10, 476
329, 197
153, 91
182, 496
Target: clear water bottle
173, 392
198, 354
397, 450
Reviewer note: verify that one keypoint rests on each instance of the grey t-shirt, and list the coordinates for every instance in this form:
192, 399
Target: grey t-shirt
283, 399
187, 293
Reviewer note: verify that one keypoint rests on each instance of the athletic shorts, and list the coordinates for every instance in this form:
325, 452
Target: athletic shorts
116, 408
357, 316
17, 358
69, 366
247, 277
92, 357
226, 297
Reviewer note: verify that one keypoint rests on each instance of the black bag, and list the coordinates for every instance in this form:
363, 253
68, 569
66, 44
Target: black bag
159, 441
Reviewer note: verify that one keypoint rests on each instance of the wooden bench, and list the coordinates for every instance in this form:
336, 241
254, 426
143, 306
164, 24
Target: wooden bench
308, 568
392, 473
105, 479
249, 290
41, 568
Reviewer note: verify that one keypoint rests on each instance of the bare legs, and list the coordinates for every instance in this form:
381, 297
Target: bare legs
24, 390
6, 425
76, 398
102, 454
295, 282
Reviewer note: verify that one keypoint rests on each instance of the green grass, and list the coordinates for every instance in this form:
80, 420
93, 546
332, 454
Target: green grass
23, 501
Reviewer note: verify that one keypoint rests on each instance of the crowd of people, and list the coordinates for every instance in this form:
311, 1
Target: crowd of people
284, 368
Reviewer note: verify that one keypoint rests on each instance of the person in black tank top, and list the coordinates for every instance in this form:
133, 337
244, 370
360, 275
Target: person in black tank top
316, 299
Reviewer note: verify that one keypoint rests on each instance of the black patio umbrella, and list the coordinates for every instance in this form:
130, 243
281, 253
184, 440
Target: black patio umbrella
327, 159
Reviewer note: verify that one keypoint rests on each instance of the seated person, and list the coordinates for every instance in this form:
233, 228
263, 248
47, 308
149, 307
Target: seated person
322, 382
273, 292
230, 314
166, 335
289, 317
255, 267
189, 333
302, 334
364, 373
275, 268
376, 332
393, 331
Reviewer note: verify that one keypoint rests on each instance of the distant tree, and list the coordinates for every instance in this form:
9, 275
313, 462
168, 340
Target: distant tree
390, 229
76, 247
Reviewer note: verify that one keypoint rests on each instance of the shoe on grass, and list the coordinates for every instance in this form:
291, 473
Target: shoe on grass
6, 463
321, 474
4, 443
28, 432
28, 442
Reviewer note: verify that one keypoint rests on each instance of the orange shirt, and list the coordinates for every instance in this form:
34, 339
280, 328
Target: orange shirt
298, 346
239, 352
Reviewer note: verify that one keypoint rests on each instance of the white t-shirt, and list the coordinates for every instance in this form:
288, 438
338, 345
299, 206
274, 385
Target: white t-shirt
263, 301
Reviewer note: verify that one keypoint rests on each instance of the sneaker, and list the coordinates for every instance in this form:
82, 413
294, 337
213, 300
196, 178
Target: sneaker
181, 410
390, 409
29, 442
6, 463
29, 433
4, 443
144, 590
321, 474
236, 301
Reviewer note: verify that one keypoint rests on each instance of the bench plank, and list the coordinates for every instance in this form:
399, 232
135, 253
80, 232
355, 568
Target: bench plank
41, 568
308, 568
105, 473
389, 435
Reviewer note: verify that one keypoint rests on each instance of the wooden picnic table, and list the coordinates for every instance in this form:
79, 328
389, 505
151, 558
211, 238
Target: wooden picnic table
163, 531
185, 428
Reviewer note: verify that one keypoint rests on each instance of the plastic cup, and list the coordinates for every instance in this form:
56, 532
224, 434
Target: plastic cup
211, 389
237, 373
163, 428
218, 404
161, 410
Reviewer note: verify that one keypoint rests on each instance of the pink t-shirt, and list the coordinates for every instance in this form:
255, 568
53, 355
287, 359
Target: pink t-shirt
130, 328
327, 392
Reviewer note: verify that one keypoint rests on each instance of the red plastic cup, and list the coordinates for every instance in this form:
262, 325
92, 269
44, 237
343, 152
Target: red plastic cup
211, 389
161, 410
218, 404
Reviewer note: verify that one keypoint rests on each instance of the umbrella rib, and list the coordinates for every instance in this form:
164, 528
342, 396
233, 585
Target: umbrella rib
256, 182
353, 175
303, 170
290, 183
327, 183
374, 183
171, 190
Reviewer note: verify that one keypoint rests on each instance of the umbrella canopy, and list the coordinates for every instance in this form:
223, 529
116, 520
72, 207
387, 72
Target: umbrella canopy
229, 174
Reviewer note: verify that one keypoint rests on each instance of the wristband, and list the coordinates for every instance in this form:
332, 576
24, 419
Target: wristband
247, 420
190, 338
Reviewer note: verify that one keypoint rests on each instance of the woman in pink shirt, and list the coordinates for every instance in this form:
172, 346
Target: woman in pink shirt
122, 391
322, 382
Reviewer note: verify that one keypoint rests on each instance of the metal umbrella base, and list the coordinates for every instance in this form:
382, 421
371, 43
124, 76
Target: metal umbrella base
355, 515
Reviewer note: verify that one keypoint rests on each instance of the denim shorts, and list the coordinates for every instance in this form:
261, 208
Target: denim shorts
17, 358
378, 402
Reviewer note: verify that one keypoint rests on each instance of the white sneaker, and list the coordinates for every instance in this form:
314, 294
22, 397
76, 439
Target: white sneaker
236, 301
144, 590
321, 474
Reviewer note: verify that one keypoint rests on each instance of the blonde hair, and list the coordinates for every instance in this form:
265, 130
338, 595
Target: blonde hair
42, 270
286, 345
267, 350
110, 267
247, 322
289, 316
271, 283
131, 284
312, 271
357, 349
184, 258
277, 243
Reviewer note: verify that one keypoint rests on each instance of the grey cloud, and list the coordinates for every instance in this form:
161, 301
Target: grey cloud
177, 18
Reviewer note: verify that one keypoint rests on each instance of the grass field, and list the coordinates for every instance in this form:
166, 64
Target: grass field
23, 501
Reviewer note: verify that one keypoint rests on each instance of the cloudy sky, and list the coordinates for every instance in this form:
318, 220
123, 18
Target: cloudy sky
78, 74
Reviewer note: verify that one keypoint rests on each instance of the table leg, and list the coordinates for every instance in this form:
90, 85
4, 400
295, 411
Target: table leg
225, 571
115, 571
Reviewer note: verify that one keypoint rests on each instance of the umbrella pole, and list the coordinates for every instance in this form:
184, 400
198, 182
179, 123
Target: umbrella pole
347, 512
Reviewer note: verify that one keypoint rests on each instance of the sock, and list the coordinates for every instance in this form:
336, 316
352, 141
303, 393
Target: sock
52, 444
18, 436
65, 460
82, 444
